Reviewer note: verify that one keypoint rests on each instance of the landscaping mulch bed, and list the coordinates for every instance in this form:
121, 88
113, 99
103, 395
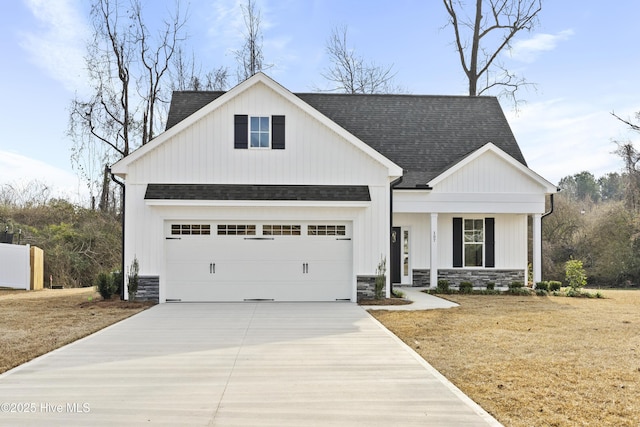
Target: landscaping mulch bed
535, 361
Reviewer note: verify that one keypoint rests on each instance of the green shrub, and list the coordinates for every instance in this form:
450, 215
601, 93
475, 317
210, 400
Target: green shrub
575, 274
398, 293
541, 292
519, 291
516, 285
466, 287
381, 278
573, 292
133, 279
443, 286
118, 281
491, 286
105, 285
542, 286
554, 286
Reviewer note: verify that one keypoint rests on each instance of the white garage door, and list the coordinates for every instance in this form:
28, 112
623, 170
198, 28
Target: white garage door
255, 261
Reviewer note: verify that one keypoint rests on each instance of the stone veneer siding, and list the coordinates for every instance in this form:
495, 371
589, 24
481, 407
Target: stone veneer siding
479, 277
366, 287
148, 288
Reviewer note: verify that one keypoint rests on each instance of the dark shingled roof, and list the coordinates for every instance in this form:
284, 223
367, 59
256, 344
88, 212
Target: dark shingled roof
185, 103
334, 193
423, 134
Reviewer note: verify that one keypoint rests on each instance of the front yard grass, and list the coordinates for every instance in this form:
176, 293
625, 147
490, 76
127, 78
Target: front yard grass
33, 323
527, 360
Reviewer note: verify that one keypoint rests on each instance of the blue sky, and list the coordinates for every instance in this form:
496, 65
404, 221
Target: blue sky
583, 58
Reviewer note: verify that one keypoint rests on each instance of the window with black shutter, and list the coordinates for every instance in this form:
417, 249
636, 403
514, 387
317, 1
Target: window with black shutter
241, 131
277, 129
256, 132
474, 242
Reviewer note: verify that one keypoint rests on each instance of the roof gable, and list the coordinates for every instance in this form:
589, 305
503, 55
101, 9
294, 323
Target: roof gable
193, 106
493, 158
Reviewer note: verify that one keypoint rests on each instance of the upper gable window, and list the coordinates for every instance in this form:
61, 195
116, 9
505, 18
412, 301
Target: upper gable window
260, 135
259, 132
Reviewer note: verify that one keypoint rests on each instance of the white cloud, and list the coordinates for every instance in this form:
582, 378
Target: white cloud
58, 45
529, 50
19, 169
561, 137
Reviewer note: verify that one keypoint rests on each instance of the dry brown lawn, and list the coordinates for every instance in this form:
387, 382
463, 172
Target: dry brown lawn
536, 361
33, 323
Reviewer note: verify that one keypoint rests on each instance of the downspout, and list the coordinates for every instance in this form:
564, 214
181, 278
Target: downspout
551, 206
121, 184
391, 187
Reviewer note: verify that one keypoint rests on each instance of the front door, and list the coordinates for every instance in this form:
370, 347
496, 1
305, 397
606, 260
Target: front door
396, 245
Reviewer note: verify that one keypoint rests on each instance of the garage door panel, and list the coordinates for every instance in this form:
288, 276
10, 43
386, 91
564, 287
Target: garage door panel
238, 268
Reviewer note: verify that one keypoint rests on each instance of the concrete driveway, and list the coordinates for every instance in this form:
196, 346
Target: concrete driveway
245, 364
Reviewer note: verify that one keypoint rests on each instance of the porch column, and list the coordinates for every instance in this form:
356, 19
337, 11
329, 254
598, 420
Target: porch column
433, 266
537, 248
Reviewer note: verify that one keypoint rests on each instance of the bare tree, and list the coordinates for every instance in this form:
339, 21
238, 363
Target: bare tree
631, 158
350, 73
482, 36
186, 75
250, 58
126, 68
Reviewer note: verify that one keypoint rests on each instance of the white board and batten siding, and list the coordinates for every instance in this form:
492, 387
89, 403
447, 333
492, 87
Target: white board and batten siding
203, 152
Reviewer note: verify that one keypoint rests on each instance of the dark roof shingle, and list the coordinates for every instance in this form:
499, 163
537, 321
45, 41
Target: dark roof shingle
340, 193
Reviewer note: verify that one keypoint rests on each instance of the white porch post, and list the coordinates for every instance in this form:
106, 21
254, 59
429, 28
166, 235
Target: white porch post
433, 266
537, 248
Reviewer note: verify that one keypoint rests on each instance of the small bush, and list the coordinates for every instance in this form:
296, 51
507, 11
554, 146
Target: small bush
133, 279
443, 287
516, 285
381, 278
105, 285
118, 281
397, 293
542, 286
491, 286
572, 292
541, 292
554, 286
466, 287
575, 274
522, 291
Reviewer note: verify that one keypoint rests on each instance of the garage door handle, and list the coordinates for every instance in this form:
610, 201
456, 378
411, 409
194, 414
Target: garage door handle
212, 268
305, 268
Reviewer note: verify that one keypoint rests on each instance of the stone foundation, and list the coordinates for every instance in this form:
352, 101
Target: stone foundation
422, 278
366, 287
148, 288
479, 277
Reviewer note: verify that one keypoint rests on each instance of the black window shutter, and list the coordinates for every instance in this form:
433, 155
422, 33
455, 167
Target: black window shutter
489, 242
457, 242
241, 131
277, 132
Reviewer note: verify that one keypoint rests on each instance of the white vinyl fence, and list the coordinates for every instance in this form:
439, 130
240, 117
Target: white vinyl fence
15, 266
